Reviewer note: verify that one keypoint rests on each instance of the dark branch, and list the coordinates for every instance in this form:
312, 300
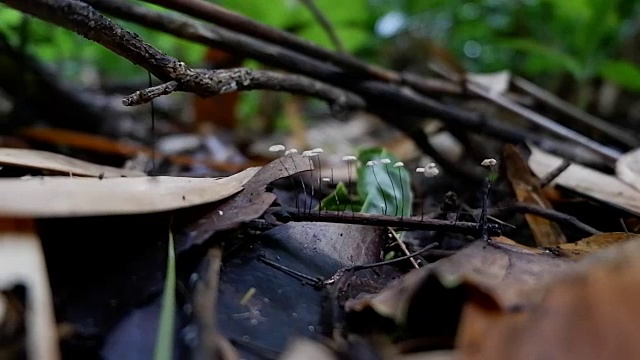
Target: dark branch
381, 97
553, 215
216, 14
86, 21
214, 82
407, 223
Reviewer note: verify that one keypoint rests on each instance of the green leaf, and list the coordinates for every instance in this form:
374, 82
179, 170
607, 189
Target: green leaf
339, 200
382, 184
351, 37
276, 13
622, 73
166, 325
554, 57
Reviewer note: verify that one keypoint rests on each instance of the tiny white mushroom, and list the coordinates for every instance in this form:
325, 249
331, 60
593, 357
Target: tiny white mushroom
349, 158
291, 152
276, 148
420, 169
385, 161
309, 153
398, 164
488, 162
432, 172
326, 179
318, 150
370, 163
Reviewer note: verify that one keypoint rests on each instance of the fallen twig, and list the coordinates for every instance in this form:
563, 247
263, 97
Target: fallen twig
552, 215
86, 21
214, 82
285, 215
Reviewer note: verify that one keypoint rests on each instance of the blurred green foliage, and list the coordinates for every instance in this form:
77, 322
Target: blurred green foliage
586, 39
582, 38
69, 54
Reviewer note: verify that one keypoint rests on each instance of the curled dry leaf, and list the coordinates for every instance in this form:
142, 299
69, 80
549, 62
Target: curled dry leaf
590, 312
510, 275
527, 189
68, 197
587, 181
628, 168
247, 205
592, 244
45, 160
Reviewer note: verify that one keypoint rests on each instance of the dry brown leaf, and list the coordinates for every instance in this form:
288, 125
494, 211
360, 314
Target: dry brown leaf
249, 204
60, 163
510, 275
628, 168
587, 181
60, 196
592, 244
22, 262
589, 313
527, 189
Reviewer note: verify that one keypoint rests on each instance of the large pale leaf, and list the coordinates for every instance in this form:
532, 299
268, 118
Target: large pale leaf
60, 163
61, 196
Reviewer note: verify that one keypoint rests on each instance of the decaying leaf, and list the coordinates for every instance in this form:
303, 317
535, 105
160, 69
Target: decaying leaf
592, 244
60, 196
527, 189
628, 168
22, 263
45, 160
588, 313
509, 275
249, 204
587, 181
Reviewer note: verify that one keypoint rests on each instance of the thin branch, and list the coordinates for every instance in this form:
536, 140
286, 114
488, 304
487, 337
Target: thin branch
409, 223
350, 269
547, 179
216, 14
552, 215
214, 82
535, 118
614, 132
381, 97
146, 95
325, 23
86, 21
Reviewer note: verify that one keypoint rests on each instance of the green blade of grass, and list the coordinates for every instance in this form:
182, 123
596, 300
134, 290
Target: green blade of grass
166, 329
